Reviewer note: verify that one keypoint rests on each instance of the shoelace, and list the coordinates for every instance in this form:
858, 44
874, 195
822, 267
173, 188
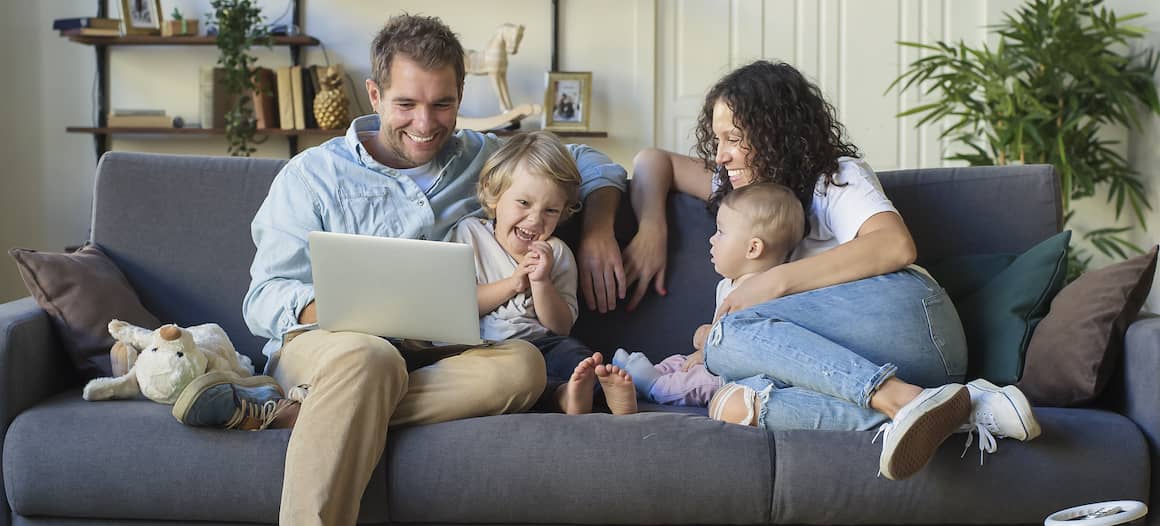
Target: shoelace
987, 441
249, 411
883, 430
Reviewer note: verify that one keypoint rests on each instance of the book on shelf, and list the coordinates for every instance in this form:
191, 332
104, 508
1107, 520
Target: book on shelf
90, 32
296, 94
309, 89
135, 111
139, 121
285, 99
265, 98
214, 100
83, 22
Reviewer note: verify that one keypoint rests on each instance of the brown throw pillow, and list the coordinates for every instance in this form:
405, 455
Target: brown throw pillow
1077, 347
81, 292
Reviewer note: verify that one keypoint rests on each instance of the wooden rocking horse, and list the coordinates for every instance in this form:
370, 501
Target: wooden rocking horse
493, 63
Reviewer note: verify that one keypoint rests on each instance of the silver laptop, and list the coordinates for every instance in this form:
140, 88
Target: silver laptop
395, 288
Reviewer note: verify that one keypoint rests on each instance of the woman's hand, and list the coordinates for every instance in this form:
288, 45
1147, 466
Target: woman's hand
761, 288
645, 260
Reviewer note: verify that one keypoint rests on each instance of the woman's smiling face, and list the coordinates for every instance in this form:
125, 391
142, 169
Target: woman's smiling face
733, 153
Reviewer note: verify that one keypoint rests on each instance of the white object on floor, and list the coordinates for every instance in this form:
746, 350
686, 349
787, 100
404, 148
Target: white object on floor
1107, 513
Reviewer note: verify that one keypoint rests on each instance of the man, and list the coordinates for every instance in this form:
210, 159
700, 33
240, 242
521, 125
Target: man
402, 172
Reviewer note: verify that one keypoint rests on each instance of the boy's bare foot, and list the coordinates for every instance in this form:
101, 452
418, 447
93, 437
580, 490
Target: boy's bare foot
575, 397
618, 389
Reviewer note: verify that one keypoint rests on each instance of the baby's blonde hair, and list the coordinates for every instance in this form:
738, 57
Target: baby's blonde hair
775, 215
540, 153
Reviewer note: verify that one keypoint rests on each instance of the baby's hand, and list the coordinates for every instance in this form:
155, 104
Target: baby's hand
701, 335
693, 359
541, 257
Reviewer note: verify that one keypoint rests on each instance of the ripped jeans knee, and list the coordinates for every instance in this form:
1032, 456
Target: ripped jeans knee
738, 404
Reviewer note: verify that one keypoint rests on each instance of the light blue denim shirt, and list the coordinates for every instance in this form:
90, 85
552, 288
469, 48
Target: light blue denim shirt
338, 187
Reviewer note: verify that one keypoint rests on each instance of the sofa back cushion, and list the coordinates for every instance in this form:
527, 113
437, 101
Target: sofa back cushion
178, 227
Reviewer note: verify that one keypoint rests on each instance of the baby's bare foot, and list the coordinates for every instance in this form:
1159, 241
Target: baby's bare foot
575, 397
618, 390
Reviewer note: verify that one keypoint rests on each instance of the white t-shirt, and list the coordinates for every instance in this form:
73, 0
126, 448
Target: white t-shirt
837, 212
424, 175
516, 318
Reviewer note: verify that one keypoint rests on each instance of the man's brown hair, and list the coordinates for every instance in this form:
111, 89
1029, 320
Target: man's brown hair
423, 39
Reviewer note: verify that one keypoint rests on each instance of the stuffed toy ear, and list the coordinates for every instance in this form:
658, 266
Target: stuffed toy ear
122, 356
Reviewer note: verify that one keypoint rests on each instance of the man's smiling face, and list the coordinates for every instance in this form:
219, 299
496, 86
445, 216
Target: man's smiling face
418, 112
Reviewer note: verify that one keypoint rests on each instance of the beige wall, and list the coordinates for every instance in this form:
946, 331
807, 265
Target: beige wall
651, 62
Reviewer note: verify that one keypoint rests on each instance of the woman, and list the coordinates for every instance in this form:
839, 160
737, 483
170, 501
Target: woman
824, 341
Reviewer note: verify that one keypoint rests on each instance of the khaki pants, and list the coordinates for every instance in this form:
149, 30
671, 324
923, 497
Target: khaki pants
358, 385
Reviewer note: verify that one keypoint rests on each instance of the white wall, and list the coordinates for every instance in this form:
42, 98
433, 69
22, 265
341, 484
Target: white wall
651, 62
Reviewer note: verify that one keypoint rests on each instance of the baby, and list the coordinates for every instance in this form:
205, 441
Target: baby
758, 227
527, 278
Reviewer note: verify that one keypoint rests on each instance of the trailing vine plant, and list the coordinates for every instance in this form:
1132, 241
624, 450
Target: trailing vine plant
239, 25
1062, 70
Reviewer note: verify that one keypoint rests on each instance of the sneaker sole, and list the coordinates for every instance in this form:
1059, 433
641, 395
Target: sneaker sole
201, 383
1022, 406
917, 444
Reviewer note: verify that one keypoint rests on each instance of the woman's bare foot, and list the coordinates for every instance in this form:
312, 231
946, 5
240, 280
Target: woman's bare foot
618, 389
575, 397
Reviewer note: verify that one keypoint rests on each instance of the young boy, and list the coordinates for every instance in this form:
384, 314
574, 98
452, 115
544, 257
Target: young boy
758, 227
527, 278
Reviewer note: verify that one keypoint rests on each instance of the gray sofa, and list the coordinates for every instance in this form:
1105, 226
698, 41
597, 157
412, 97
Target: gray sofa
179, 229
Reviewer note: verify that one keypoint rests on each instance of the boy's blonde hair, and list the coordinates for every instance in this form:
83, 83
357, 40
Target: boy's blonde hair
540, 153
775, 215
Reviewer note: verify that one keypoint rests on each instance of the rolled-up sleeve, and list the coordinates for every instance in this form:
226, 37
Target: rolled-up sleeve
280, 278
597, 170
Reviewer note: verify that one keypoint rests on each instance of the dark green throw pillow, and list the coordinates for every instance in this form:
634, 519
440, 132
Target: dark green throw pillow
1001, 298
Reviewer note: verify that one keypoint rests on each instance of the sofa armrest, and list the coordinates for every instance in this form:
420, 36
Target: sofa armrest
32, 367
1141, 390
32, 364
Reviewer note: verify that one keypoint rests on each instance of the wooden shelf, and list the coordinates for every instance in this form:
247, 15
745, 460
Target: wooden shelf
313, 132
154, 40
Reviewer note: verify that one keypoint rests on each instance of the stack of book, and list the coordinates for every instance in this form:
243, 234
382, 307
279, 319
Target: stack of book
88, 26
121, 118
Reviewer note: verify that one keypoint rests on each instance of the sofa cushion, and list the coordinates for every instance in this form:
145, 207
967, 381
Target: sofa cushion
1000, 300
82, 291
1077, 348
134, 461
1082, 456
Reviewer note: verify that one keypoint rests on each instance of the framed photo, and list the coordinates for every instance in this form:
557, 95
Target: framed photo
140, 17
567, 101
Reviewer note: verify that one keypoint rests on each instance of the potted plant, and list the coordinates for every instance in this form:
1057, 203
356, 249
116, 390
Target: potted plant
239, 27
178, 25
1061, 72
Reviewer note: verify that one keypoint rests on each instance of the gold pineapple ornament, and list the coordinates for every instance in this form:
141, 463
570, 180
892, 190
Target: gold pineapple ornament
330, 103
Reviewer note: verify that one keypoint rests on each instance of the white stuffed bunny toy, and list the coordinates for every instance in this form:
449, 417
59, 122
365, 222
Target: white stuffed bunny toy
161, 363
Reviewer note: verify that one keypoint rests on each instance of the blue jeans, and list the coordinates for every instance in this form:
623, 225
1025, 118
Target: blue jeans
815, 358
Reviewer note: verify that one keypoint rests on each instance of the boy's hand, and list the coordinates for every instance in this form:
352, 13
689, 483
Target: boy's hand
700, 335
693, 359
519, 278
540, 257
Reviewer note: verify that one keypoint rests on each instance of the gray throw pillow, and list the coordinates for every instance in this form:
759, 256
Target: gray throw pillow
82, 291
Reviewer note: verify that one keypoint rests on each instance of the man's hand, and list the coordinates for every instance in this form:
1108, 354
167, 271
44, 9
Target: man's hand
700, 335
540, 258
693, 359
645, 259
601, 272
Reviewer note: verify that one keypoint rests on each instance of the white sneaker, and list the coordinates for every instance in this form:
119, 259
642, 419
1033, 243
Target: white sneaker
910, 440
1004, 411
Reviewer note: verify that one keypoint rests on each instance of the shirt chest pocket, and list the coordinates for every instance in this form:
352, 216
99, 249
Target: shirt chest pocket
370, 210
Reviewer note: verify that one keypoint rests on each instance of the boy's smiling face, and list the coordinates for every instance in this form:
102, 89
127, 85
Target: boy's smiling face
527, 211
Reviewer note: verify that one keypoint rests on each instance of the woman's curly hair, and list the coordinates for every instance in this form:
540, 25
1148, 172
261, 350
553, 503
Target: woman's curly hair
793, 134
